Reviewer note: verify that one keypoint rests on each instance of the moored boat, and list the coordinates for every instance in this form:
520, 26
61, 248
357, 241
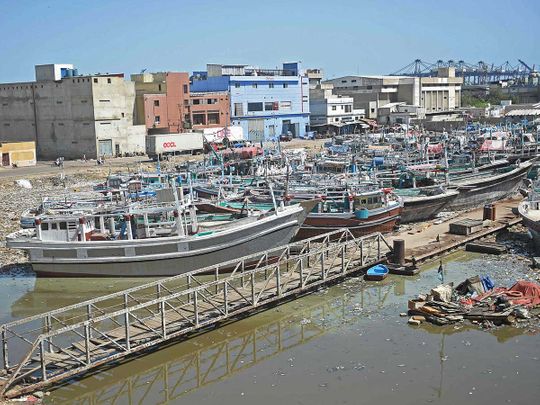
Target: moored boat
376, 273
488, 187
529, 210
362, 214
422, 205
150, 240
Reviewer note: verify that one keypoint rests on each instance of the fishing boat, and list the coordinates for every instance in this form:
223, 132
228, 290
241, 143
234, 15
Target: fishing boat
361, 213
150, 240
422, 204
484, 188
529, 210
376, 273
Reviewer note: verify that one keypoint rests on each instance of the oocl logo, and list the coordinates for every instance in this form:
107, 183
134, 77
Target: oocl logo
169, 144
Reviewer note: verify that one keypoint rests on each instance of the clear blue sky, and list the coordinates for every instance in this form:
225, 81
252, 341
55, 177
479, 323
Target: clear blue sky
340, 36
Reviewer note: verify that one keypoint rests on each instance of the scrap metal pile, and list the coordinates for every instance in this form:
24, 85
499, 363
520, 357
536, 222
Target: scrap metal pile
476, 299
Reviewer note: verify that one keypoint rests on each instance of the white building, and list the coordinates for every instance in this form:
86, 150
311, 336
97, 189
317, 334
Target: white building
71, 115
332, 113
440, 94
400, 113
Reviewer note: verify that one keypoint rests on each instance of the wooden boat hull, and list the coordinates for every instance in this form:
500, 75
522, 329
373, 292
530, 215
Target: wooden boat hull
493, 188
317, 224
162, 256
417, 209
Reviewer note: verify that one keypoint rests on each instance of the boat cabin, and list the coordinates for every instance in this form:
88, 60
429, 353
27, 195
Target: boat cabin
62, 229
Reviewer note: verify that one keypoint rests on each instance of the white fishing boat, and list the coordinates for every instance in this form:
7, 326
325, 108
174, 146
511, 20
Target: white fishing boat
150, 240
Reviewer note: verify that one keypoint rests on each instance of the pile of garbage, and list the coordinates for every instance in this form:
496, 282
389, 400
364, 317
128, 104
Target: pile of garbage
478, 300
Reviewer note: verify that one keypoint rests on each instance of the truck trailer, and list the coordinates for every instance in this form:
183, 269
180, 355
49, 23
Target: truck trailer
161, 145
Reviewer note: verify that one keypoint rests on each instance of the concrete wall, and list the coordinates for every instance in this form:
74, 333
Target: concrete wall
114, 106
68, 117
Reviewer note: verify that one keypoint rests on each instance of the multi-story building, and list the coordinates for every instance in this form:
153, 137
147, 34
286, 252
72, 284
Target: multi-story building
264, 102
164, 104
331, 113
436, 95
71, 115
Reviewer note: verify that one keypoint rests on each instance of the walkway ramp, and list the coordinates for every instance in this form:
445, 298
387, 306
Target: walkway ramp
51, 347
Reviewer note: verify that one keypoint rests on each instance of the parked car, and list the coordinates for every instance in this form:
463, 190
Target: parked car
287, 137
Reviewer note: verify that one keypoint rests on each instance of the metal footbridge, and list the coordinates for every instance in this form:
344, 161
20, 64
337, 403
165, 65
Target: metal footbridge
57, 345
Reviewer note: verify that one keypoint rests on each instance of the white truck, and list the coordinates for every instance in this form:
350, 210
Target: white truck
160, 145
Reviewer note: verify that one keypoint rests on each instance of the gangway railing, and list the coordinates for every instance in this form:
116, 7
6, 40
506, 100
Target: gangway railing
43, 349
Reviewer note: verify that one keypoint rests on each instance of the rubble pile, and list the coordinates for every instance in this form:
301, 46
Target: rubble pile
476, 299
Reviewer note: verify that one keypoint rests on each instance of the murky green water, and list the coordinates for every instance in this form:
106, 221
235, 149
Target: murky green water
342, 345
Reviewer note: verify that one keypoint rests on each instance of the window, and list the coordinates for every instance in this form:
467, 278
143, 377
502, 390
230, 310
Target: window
123, 115
334, 108
348, 108
373, 110
84, 101
185, 88
238, 109
58, 102
157, 119
285, 85
156, 103
199, 119
196, 101
95, 80
54, 226
271, 85
109, 80
211, 101
159, 87
271, 106
285, 105
255, 107
104, 101
353, 80
63, 226
336, 119
186, 102
104, 123
237, 85
213, 118
344, 81
254, 85
44, 226
369, 87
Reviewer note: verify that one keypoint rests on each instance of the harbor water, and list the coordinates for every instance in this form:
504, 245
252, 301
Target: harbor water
346, 344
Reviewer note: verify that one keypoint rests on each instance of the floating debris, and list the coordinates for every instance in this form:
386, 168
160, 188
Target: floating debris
476, 299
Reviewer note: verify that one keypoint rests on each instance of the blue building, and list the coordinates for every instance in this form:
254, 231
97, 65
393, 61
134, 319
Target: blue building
264, 102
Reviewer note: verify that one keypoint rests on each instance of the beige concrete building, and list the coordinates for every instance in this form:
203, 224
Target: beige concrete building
439, 94
17, 154
71, 115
